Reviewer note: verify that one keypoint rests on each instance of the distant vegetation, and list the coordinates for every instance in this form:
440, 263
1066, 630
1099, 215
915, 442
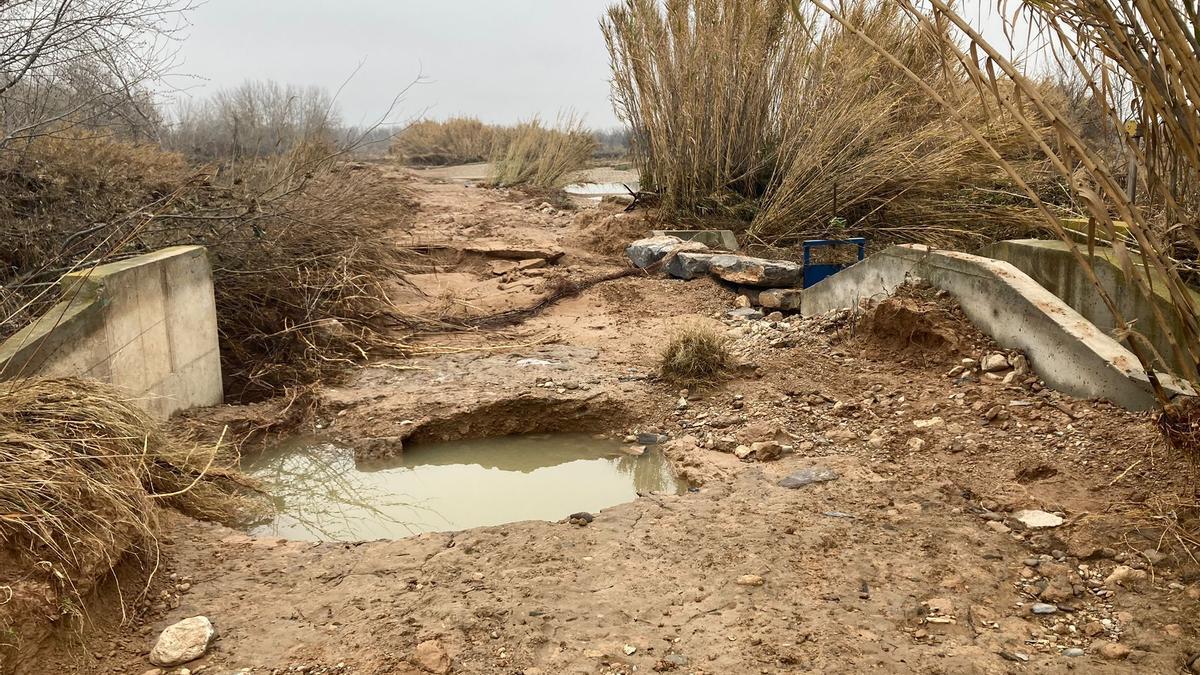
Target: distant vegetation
530, 153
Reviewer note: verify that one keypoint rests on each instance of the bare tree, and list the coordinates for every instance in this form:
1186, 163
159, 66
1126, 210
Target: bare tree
66, 63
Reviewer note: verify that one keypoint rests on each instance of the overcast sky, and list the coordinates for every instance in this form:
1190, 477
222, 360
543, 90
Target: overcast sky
499, 61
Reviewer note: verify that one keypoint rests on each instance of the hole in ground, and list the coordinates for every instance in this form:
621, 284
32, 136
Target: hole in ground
323, 494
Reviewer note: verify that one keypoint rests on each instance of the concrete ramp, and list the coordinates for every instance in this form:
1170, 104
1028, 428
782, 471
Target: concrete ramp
1066, 350
147, 325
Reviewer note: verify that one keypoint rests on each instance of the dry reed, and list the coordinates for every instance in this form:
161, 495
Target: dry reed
540, 156
459, 140
695, 354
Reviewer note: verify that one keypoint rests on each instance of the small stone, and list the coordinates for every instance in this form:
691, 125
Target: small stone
998, 527
1124, 576
1037, 520
743, 301
742, 451
181, 642
1043, 608
1073, 653
750, 580
1115, 651
432, 657
766, 451
634, 450
629, 650
929, 423
916, 444
994, 362
804, 477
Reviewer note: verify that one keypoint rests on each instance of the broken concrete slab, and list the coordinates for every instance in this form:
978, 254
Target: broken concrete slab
813, 474
721, 240
759, 272
688, 265
1036, 520
646, 252
514, 251
781, 298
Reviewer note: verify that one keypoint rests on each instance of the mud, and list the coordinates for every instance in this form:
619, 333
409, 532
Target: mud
909, 561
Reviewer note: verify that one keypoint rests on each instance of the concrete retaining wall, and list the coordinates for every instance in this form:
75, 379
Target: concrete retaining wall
1051, 264
147, 324
1065, 349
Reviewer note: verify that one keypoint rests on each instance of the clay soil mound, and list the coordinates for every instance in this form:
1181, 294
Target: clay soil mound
922, 320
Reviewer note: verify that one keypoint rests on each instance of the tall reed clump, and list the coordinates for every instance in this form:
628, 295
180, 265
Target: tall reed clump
541, 156
84, 476
458, 140
1146, 51
698, 83
750, 111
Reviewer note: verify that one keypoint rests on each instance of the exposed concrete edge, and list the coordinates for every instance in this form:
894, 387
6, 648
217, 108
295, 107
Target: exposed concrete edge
68, 321
1066, 350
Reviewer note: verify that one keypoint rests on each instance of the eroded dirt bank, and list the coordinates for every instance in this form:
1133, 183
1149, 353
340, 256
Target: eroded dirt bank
908, 562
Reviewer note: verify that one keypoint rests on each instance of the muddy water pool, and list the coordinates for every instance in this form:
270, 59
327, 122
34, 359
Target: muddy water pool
322, 494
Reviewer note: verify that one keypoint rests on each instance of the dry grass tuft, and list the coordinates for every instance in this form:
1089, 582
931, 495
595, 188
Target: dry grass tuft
695, 354
83, 477
543, 157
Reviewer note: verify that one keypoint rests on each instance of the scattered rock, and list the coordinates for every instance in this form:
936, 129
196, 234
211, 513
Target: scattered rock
1073, 653
431, 656
742, 301
745, 313
750, 580
629, 650
1043, 608
767, 451
916, 444
1037, 520
803, 477
1125, 577
743, 451
652, 439
994, 363
646, 252
780, 298
181, 642
634, 450
688, 265
582, 518
929, 423
1115, 651
755, 271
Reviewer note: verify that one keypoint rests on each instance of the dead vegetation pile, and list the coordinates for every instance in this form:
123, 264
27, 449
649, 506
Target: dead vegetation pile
458, 140
297, 243
84, 475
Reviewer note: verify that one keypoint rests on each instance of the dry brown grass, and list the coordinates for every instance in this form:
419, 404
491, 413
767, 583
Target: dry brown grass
541, 156
696, 354
298, 245
459, 140
748, 112
84, 475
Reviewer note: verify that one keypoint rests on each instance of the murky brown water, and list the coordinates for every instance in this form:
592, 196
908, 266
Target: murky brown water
323, 495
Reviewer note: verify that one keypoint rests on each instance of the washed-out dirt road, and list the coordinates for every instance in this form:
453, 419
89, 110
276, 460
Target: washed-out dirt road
909, 561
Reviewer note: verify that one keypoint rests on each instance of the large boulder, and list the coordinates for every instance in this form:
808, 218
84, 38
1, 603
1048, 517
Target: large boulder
688, 265
759, 272
649, 251
181, 642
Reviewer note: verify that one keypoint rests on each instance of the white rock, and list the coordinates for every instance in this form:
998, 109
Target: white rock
185, 641
994, 362
929, 423
1036, 520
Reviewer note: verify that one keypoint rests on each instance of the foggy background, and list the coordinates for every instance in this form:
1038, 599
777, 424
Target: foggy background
499, 61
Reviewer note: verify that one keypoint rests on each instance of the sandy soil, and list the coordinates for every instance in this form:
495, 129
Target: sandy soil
908, 562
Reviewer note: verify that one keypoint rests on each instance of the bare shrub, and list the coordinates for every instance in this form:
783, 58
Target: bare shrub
256, 119
695, 354
459, 140
542, 157
66, 63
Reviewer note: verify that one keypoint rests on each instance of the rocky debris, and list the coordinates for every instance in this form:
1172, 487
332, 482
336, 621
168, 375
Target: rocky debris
1115, 651
756, 271
809, 476
1043, 608
629, 650
744, 313
644, 253
651, 438
509, 251
431, 657
688, 266
181, 642
582, 519
767, 451
1125, 577
781, 298
994, 363
750, 580
1037, 520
